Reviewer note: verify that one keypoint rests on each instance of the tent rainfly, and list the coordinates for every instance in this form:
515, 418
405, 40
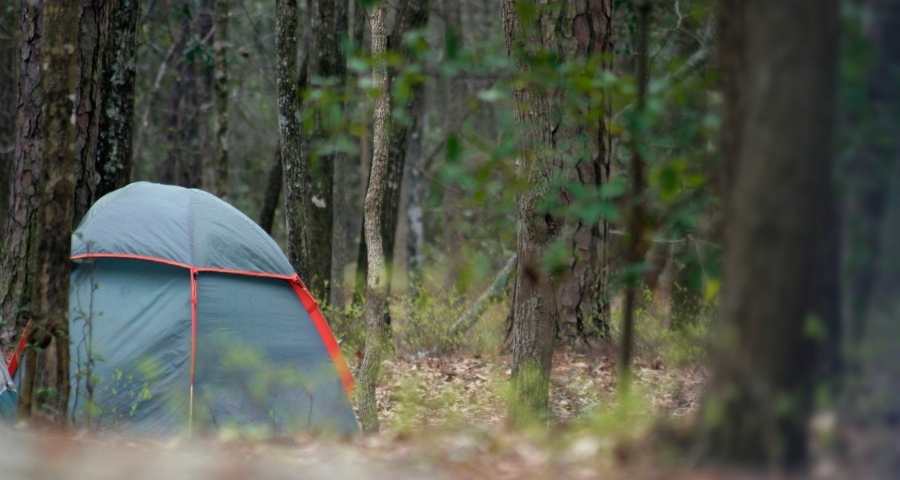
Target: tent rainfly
185, 315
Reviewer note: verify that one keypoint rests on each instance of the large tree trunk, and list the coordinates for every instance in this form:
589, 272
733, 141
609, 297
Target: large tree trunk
114, 149
534, 309
780, 265
9, 60
220, 85
50, 290
105, 99
26, 173
297, 191
553, 146
583, 293
376, 278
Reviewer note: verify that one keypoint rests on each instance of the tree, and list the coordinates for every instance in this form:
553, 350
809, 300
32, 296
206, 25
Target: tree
297, 191
184, 160
636, 220
8, 60
412, 15
220, 52
18, 269
328, 29
105, 96
50, 290
376, 278
554, 144
780, 300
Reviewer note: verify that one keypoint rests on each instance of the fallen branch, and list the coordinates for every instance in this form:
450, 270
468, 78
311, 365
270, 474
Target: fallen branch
472, 314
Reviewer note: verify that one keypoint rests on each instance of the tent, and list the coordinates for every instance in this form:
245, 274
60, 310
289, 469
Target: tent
184, 314
7, 393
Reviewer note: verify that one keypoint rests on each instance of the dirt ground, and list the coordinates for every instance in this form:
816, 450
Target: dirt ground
441, 418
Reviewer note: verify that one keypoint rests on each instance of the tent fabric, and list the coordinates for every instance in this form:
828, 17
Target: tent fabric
187, 226
184, 313
260, 360
7, 394
129, 325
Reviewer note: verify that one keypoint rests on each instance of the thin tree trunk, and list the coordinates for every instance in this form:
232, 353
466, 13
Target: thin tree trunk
273, 193
20, 247
297, 190
50, 293
412, 16
781, 260
636, 220
329, 63
376, 278
220, 50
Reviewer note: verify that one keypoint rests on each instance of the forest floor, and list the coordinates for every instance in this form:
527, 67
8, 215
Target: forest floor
441, 418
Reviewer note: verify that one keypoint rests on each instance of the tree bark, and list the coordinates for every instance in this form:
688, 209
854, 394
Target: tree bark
544, 301
413, 15
297, 190
376, 278
583, 293
114, 149
50, 291
273, 193
9, 59
329, 63
184, 163
18, 270
220, 85
534, 308
105, 95
780, 265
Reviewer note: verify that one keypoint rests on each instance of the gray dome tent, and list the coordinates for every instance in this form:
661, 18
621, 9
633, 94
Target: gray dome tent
184, 313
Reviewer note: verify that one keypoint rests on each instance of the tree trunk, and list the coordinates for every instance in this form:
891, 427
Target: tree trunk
583, 293
50, 291
273, 193
376, 278
9, 59
329, 63
412, 16
184, 163
636, 217
534, 308
104, 119
780, 265
297, 190
554, 146
114, 150
17, 274
220, 51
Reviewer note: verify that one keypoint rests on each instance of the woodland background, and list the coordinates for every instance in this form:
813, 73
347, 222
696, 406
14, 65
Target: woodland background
663, 221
